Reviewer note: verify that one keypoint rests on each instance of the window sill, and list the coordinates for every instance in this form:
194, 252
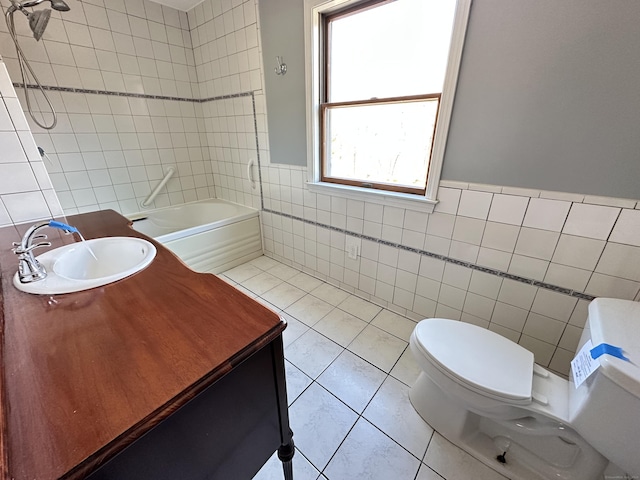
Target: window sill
400, 200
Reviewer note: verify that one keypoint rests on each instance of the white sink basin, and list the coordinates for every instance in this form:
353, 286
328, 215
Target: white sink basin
73, 268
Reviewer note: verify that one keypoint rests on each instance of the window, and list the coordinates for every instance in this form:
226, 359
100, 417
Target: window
381, 76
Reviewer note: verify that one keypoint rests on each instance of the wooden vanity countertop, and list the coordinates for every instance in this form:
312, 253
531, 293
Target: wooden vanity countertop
85, 374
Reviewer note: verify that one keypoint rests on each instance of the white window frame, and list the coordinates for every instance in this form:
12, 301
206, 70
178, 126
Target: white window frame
313, 10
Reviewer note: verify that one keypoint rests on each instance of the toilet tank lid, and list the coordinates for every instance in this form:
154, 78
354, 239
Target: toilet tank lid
617, 322
478, 357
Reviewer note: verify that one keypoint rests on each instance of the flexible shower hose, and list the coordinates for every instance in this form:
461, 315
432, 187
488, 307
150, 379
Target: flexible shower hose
23, 62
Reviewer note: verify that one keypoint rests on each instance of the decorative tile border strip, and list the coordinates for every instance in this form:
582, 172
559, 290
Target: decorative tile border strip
455, 261
54, 88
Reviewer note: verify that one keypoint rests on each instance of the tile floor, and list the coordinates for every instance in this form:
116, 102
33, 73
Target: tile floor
349, 369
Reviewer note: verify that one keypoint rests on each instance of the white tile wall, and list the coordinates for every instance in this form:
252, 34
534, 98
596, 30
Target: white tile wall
110, 151
25, 191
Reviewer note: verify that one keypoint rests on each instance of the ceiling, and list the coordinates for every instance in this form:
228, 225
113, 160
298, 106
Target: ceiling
184, 5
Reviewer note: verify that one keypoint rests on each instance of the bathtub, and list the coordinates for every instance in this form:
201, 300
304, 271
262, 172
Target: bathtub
208, 235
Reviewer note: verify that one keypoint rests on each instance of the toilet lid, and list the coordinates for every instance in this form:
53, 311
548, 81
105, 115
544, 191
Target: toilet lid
481, 359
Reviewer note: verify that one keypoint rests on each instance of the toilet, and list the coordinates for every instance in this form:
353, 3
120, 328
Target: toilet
485, 394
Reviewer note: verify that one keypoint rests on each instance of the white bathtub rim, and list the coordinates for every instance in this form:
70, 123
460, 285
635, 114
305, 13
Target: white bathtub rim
244, 213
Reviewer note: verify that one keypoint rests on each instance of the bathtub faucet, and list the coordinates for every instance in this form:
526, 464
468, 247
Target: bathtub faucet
29, 268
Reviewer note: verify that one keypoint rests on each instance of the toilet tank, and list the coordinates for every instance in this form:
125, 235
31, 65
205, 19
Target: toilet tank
605, 409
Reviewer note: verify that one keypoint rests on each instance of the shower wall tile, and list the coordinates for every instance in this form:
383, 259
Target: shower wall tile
579, 252
542, 351
570, 277
25, 190
17, 177
546, 214
448, 200
500, 236
508, 209
26, 207
592, 221
6, 125
620, 260
528, 267
536, 243
627, 228
142, 48
474, 204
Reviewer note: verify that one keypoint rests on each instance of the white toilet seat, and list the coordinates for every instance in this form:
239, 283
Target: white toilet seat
477, 358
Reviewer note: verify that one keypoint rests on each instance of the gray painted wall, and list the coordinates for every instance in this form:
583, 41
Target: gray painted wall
548, 95
282, 33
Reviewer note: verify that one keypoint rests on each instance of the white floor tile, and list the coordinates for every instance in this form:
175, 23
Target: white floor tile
394, 324
261, 283
426, 473
284, 272
297, 381
302, 469
295, 329
330, 294
305, 282
339, 326
368, 454
452, 463
309, 309
360, 308
263, 263
283, 295
378, 347
312, 353
242, 272
320, 422
352, 380
392, 412
407, 369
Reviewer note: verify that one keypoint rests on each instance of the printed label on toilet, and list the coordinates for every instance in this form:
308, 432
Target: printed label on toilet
583, 365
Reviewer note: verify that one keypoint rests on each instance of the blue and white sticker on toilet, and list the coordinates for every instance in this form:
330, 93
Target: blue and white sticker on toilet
585, 362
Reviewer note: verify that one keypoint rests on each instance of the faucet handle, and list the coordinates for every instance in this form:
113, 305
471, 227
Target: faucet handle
39, 245
18, 250
37, 237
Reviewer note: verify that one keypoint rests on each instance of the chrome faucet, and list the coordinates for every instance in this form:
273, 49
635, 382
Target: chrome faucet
29, 268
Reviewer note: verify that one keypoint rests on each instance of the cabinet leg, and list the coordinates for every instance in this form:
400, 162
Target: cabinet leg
285, 454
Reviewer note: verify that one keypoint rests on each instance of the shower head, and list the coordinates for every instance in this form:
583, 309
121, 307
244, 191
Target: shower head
38, 21
59, 5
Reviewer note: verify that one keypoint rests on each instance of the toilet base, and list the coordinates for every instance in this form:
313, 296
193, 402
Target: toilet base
539, 454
